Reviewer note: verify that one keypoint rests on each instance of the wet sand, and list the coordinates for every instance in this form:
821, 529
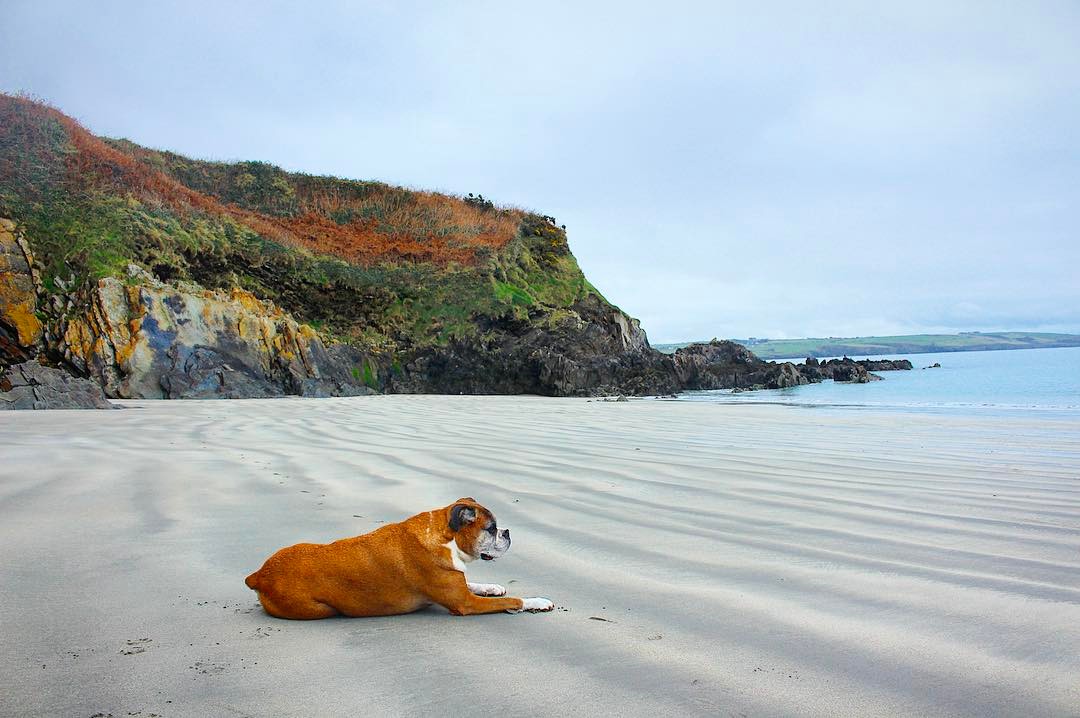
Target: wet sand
704, 559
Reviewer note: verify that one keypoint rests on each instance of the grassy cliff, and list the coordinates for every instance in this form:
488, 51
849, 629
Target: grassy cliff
379, 267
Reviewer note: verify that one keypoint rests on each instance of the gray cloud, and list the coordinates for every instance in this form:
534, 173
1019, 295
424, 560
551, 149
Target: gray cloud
723, 170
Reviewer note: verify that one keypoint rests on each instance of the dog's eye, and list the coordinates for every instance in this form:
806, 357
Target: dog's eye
492, 529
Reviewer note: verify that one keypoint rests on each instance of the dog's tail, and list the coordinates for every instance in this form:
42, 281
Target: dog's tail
252, 581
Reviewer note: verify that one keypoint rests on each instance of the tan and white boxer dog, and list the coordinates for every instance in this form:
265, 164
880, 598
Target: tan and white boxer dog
398, 568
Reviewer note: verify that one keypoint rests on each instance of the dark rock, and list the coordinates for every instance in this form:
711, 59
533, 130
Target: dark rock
727, 365
148, 339
338, 372
204, 373
786, 376
591, 349
852, 371
886, 364
31, 385
847, 371
152, 340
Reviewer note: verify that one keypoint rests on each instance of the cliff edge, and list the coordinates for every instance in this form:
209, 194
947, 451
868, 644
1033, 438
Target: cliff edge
161, 276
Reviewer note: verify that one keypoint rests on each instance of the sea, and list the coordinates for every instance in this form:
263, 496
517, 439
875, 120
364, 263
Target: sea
1030, 382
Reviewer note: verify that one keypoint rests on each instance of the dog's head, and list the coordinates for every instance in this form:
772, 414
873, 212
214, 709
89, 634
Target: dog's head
475, 530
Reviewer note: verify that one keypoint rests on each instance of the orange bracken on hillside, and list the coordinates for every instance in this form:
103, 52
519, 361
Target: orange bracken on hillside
411, 226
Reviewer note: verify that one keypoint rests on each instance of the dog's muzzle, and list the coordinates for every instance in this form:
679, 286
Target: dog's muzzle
496, 546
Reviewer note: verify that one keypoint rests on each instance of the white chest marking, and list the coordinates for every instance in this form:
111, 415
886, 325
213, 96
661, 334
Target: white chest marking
458, 557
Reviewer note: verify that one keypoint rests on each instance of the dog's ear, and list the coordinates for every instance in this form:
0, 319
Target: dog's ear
460, 514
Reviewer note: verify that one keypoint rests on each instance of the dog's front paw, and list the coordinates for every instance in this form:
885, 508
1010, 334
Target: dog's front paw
537, 604
487, 589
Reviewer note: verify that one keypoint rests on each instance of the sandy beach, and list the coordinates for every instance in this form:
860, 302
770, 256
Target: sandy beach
704, 559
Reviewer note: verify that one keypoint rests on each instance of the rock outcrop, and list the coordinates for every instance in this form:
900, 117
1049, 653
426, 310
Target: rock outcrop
139, 337
851, 373
886, 364
160, 276
851, 370
31, 385
788, 375
142, 338
20, 328
727, 365
589, 349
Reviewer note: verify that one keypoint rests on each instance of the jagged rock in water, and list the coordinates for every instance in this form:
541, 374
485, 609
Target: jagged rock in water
20, 329
32, 386
727, 365
886, 364
147, 339
787, 375
848, 371
851, 371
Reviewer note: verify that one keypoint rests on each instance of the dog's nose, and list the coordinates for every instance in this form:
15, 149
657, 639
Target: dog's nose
506, 534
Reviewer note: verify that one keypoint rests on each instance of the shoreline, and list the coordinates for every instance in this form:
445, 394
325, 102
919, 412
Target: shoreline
746, 558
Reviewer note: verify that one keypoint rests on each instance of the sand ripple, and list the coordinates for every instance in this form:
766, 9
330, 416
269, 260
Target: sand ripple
754, 560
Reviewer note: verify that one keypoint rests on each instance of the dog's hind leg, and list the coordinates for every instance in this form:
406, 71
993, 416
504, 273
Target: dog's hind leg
302, 610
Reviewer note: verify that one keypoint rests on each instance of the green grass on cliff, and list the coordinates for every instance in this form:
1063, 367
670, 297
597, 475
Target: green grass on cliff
380, 266
76, 212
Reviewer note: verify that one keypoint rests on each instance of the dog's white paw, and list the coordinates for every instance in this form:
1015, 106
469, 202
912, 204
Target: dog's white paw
487, 589
536, 605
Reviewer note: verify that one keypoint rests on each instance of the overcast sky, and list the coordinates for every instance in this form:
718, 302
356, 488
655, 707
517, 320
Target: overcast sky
723, 169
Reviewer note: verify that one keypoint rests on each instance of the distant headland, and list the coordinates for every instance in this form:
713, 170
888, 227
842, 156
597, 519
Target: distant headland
907, 344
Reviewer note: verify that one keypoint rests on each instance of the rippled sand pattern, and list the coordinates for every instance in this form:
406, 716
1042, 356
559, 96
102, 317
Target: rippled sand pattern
705, 559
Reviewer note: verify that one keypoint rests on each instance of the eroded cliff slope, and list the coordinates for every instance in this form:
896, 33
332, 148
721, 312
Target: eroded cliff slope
162, 276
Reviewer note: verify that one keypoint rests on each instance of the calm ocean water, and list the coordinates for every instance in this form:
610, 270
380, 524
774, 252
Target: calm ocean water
1044, 382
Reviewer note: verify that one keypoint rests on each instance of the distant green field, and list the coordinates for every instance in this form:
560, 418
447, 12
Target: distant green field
911, 344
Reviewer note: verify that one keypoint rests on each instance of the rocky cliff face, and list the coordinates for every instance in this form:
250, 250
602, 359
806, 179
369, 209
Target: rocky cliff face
164, 276
160, 276
142, 338
588, 349
20, 328
139, 337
